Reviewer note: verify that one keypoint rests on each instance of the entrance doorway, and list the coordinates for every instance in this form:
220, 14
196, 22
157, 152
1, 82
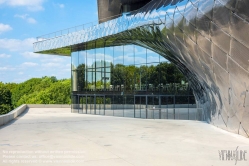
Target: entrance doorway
140, 106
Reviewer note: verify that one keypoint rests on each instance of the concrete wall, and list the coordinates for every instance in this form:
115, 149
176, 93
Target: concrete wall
4, 119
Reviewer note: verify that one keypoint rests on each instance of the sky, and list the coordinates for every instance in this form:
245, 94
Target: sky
21, 21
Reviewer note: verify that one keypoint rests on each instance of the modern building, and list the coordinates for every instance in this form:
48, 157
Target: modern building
207, 40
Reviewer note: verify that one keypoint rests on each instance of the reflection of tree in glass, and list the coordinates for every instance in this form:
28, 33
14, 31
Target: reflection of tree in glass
117, 74
163, 73
81, 77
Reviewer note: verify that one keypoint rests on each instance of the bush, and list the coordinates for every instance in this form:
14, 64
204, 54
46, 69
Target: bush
5, 99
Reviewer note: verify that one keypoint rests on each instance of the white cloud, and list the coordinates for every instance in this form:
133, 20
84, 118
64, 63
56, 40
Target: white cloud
20, 73
31, 20
29, 64
61, 5
2, 1
7, 68
26, 18
16, 44
45, 59
51, 64
30, 55
3, 68
32, 5
5, 56
5, 28
52, 58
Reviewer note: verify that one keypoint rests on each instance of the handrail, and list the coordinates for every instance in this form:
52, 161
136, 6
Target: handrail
67, 30
72, 29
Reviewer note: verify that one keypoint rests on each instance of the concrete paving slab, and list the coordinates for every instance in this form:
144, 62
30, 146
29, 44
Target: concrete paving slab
55, 136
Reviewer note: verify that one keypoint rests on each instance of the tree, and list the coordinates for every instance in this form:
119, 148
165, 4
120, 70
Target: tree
5, 99
45, 90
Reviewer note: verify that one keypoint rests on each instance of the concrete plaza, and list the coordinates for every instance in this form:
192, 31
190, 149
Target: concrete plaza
55, 136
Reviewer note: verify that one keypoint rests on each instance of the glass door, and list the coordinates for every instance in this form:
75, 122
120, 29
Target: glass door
90, 105
100, 105
171, 107
83, 104
137, 107
164, 107
153, 107
140, 106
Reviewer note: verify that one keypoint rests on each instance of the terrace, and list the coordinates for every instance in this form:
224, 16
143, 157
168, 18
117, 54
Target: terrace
55, 136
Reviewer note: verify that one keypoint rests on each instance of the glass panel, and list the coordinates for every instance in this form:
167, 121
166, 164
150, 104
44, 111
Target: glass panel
100, 67
153, 78
74, 80
152, 57
129, 79
81, 71
143, 107
108, 105
140, 55
108, 66
80, 105
164, 107
84, 104
117, 75
153, 107
129, 106
100, 107
129, 68
137, 78
118, 105
91, 68
137, 106
128, 53
162, 59
75, 60
75, 105
164, 86
140, 107
157, 107
192, 108
90, 105
181, 107
171, 107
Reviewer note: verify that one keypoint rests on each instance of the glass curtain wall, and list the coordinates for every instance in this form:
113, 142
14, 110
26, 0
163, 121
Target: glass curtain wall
129, 81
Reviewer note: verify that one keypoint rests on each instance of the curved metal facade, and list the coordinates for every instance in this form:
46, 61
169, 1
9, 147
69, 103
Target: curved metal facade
207, 39
110, 9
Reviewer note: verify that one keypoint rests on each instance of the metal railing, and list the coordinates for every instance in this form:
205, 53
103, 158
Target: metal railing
72, 29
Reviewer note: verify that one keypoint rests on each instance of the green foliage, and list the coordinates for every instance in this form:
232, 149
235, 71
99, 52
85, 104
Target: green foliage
161, 73
5, 99
81, 76
117, 77
45, 90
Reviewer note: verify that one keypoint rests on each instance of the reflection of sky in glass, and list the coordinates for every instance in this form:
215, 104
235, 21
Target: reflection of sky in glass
82, 57
75, 61
91, 57
126, 55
